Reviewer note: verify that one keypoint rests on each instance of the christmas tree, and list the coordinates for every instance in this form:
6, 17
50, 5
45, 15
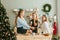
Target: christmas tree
5, 32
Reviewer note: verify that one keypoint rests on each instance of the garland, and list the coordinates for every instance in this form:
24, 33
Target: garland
44, 8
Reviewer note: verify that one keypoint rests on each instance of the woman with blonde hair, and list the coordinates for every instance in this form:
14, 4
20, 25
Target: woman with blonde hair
46, 28
34, 22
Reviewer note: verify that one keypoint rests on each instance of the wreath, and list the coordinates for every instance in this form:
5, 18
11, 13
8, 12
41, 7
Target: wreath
44, 8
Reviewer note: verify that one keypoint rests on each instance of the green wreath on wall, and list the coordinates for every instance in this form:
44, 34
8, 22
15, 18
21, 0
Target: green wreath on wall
49, 8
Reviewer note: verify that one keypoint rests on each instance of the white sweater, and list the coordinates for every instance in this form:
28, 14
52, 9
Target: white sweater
46, 28
22, 23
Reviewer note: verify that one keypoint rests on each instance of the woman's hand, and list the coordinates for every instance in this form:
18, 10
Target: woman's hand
32, 28
35, 24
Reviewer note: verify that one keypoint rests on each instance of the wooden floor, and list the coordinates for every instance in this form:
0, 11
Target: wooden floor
33, 37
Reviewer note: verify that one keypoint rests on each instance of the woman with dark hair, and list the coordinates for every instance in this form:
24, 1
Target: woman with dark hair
22, 26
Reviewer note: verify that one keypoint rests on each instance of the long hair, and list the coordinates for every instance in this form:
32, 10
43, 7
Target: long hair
45, 18
36, 15
18, 15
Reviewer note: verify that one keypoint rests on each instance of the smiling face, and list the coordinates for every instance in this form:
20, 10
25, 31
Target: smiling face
44, 18
22, 13
34, 16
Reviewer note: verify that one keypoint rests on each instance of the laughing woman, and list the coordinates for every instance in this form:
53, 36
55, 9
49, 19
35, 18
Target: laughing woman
22, 26
34, 22
46, 29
